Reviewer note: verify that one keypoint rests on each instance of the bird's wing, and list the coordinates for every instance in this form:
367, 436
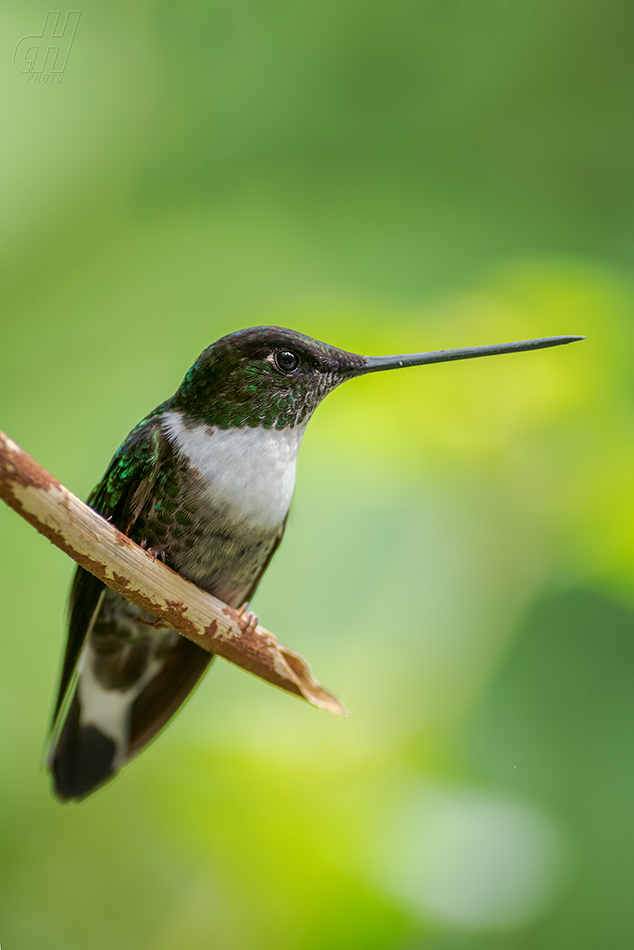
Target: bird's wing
119, 497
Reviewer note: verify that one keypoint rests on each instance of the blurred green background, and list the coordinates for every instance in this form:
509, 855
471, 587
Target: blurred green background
386, 176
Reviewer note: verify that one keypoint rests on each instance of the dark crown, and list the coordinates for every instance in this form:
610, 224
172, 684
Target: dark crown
263, 376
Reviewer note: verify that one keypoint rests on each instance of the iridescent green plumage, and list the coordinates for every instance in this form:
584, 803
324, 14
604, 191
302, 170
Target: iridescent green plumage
235, 382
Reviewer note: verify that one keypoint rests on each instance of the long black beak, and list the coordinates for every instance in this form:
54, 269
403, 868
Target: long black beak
375, 363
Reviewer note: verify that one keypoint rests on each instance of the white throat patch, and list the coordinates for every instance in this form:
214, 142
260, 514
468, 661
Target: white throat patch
252, 471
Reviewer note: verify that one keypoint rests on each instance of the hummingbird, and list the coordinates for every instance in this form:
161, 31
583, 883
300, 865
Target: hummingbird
203, 482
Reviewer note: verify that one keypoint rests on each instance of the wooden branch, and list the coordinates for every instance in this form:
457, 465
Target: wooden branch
121, 564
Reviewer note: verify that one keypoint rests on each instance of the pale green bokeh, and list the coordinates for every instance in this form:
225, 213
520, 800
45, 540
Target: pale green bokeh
459, 565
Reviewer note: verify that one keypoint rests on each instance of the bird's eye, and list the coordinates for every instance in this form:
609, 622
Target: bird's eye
287, 361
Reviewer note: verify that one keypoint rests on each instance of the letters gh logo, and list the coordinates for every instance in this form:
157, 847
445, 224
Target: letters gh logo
48, 50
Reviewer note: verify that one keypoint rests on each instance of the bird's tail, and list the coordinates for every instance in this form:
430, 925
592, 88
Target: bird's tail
108, 717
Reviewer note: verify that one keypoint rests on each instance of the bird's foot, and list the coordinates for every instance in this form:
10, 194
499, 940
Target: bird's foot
248, 621
156, 552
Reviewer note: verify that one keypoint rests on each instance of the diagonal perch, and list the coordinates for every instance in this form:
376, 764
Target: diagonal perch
121, 564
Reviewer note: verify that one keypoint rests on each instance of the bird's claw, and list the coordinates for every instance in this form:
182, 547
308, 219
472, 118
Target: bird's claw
158, 551
247, 620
